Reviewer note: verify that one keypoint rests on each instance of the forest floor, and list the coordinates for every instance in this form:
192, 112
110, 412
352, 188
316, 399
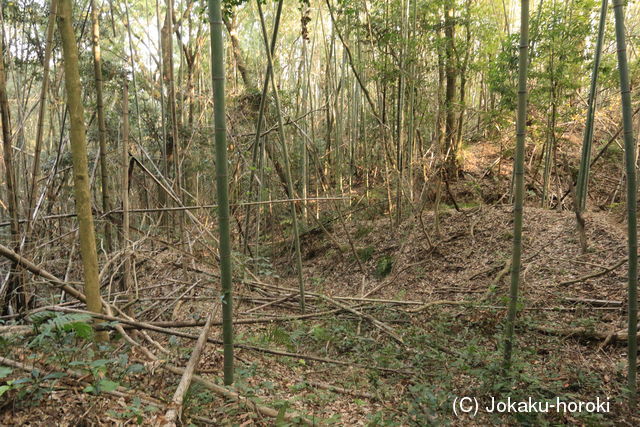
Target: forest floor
390, 340
425, 326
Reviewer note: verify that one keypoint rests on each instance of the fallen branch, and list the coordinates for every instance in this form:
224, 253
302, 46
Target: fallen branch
594, 275
377, 323
505, 270
22, 330
341, 390
23, 262
439, 302
220, 390
394, 277
119, 392
584, 334
175, 408
595, 302
232, 395
143, 325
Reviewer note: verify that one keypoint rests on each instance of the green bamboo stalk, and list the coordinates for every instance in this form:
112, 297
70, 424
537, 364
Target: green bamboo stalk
256, 144
285, 152
583, 173
518, 167
217, 74
632, 235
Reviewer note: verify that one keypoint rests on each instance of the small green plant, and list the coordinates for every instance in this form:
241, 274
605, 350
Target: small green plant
384, 266
197, 397
5, 372
30, 389
264, 267
135, 411
98, 370
365, 254
50, 325
362, 231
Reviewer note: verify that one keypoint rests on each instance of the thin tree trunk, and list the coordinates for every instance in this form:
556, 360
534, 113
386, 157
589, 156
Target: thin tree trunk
124, 166
42, 109
174, 158
258, 147
353, 68
14, 278
451, 151
79, 158
229, 20
463, 74
102, 128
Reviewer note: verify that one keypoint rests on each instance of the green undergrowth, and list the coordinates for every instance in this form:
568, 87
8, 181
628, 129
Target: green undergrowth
62, 349
446, 358
447, 353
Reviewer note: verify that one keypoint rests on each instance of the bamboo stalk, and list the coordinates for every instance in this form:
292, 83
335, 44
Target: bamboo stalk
42, 106
632, 236
125, 187
285, 150
583, 173
102, 128
518, 168
257, 147
217, 67
175, 410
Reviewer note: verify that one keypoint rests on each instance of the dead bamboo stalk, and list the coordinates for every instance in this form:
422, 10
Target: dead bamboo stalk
594, 275
186, 208
20, 260
175, 408
236, 397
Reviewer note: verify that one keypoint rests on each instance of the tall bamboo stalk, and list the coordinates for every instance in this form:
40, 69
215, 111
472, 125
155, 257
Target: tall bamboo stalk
124, 166
519, 182
632, 232
79, 158
285, 152
102, 128
257, 146
41, 110
12, 199
217, 74
7, 148
583, 174
173, 117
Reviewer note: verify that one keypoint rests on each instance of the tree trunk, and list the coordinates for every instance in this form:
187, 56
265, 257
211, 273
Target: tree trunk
232, 27
451, 150
79, 158
124, 166
12, 198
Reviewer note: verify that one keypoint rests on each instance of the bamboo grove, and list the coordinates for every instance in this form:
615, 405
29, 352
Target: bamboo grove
241, 127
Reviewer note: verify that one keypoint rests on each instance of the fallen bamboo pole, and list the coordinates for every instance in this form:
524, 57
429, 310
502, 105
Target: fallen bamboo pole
175, 408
